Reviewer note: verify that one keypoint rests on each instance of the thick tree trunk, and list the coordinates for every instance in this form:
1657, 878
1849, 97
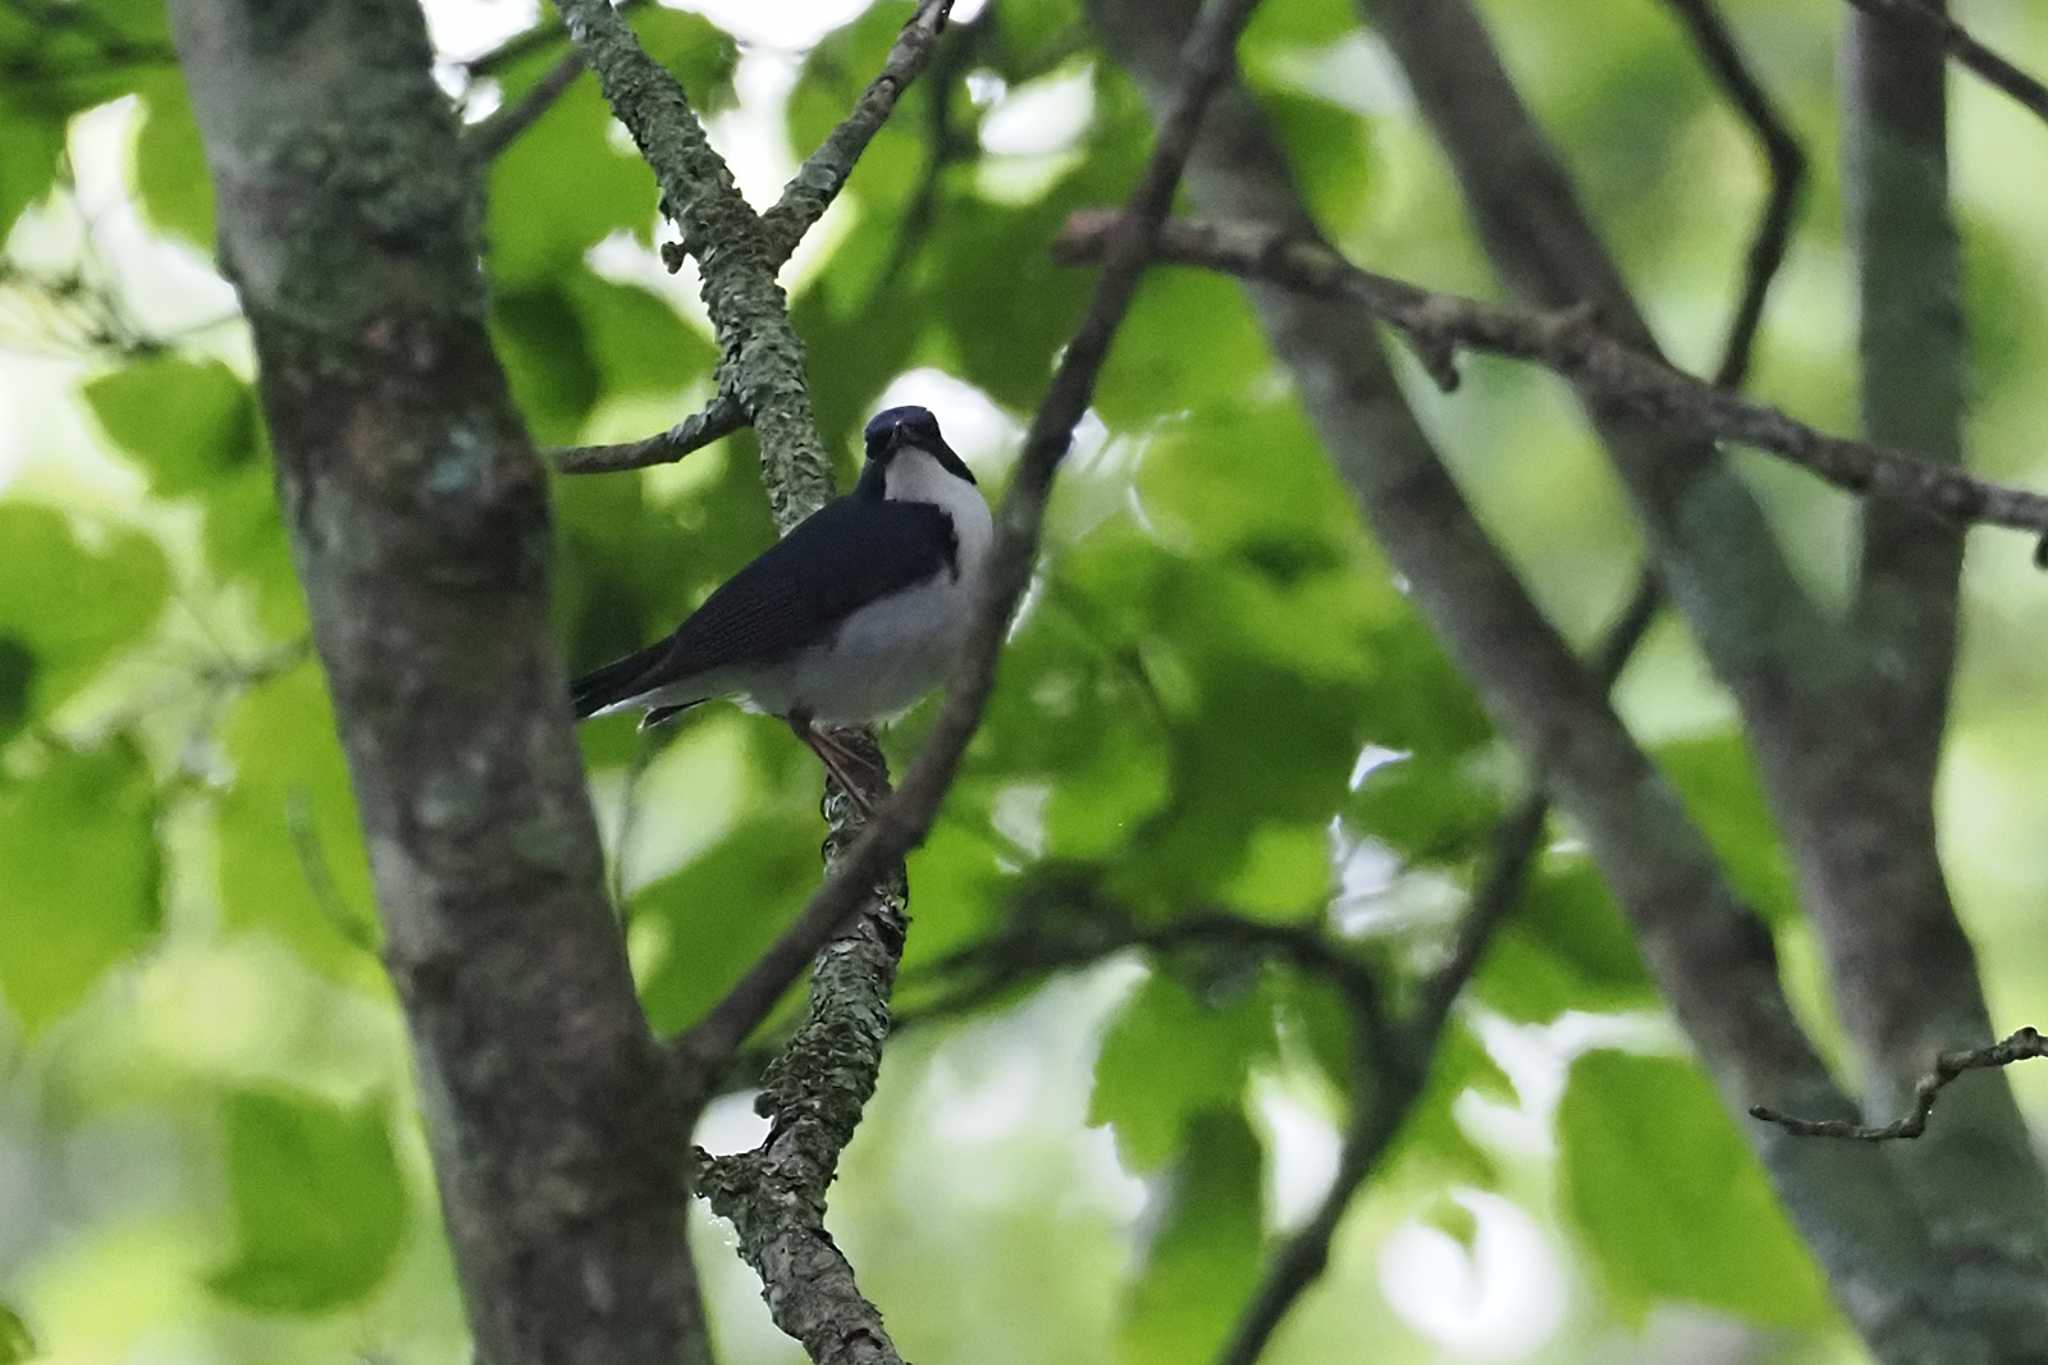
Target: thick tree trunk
418, 516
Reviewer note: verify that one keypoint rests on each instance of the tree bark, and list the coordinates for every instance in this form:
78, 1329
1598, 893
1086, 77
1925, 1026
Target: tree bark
418, 516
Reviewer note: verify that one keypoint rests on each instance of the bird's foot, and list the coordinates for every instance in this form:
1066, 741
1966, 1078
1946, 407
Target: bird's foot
855, 772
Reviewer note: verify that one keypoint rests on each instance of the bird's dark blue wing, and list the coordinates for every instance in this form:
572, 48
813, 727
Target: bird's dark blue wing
844, 556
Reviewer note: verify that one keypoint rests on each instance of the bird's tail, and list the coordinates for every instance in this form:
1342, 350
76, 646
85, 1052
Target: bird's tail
618, 681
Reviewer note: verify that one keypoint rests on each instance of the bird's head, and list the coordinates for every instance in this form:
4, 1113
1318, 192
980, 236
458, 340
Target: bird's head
894, 432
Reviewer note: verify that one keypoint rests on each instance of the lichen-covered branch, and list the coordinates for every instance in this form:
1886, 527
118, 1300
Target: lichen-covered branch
815, 1090
824, 172
2025, 1045
1575, 344
761, 357
905, 819
804, 200
419, 523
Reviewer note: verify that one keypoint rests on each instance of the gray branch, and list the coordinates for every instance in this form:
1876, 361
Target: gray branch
1928, 17
906, 817
419, 520
1574, 344
1712, 959
825, 171
2025, 1045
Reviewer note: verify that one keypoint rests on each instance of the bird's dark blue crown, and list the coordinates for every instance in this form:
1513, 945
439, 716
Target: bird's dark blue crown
910, 425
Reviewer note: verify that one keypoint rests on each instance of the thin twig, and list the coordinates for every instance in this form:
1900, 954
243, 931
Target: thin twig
1398, 1067
1957, 42
1572, 343
824, 172
1783, 159
906, 817
2021, 1046
488, 137
354, 928
719, 418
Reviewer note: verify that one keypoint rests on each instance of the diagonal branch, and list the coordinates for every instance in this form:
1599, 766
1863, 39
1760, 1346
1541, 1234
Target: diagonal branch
825, 171
1782, 157
904, 820
1383, 1098
488, 137
1957, 42
1572, 343
804, 200
2025, 1045
1711, 958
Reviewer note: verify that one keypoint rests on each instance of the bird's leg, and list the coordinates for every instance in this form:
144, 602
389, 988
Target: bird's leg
839, 761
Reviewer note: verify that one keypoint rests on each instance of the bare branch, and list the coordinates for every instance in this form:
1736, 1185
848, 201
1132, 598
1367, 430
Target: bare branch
1787, 167
719, 418
2025, 1045
1572, 343
487, 138
1957, 42
824, 172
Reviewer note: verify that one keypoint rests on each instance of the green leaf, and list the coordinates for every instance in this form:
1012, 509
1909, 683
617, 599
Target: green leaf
560, 188
31, 149
1715, 777
78, 840
16, 1342
171, 177
1429, 808
1167, 1057
289, 770
319, 1206
1190, 340
696, 52
1203, 1255
1430, 1138
111, 595
1668, 1201
17, 673
721, 911
1328, 151
188, 422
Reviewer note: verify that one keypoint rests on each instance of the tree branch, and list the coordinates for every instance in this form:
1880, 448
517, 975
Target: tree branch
761, 356
1573, 344
1957, 42
1711, 958
1783, 159
904, 820
487, 138
2022, 1046
823, 1079
824, 172
718, 419
419, 522
804, 200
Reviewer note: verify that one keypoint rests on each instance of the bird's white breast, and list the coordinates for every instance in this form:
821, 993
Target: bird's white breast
891, 652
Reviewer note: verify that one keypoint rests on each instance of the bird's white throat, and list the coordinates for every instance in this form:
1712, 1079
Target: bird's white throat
916, 475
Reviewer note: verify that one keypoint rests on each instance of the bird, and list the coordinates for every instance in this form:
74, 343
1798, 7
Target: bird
849, 619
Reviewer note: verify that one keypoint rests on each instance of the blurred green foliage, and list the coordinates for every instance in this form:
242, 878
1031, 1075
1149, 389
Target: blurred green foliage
1218, 697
